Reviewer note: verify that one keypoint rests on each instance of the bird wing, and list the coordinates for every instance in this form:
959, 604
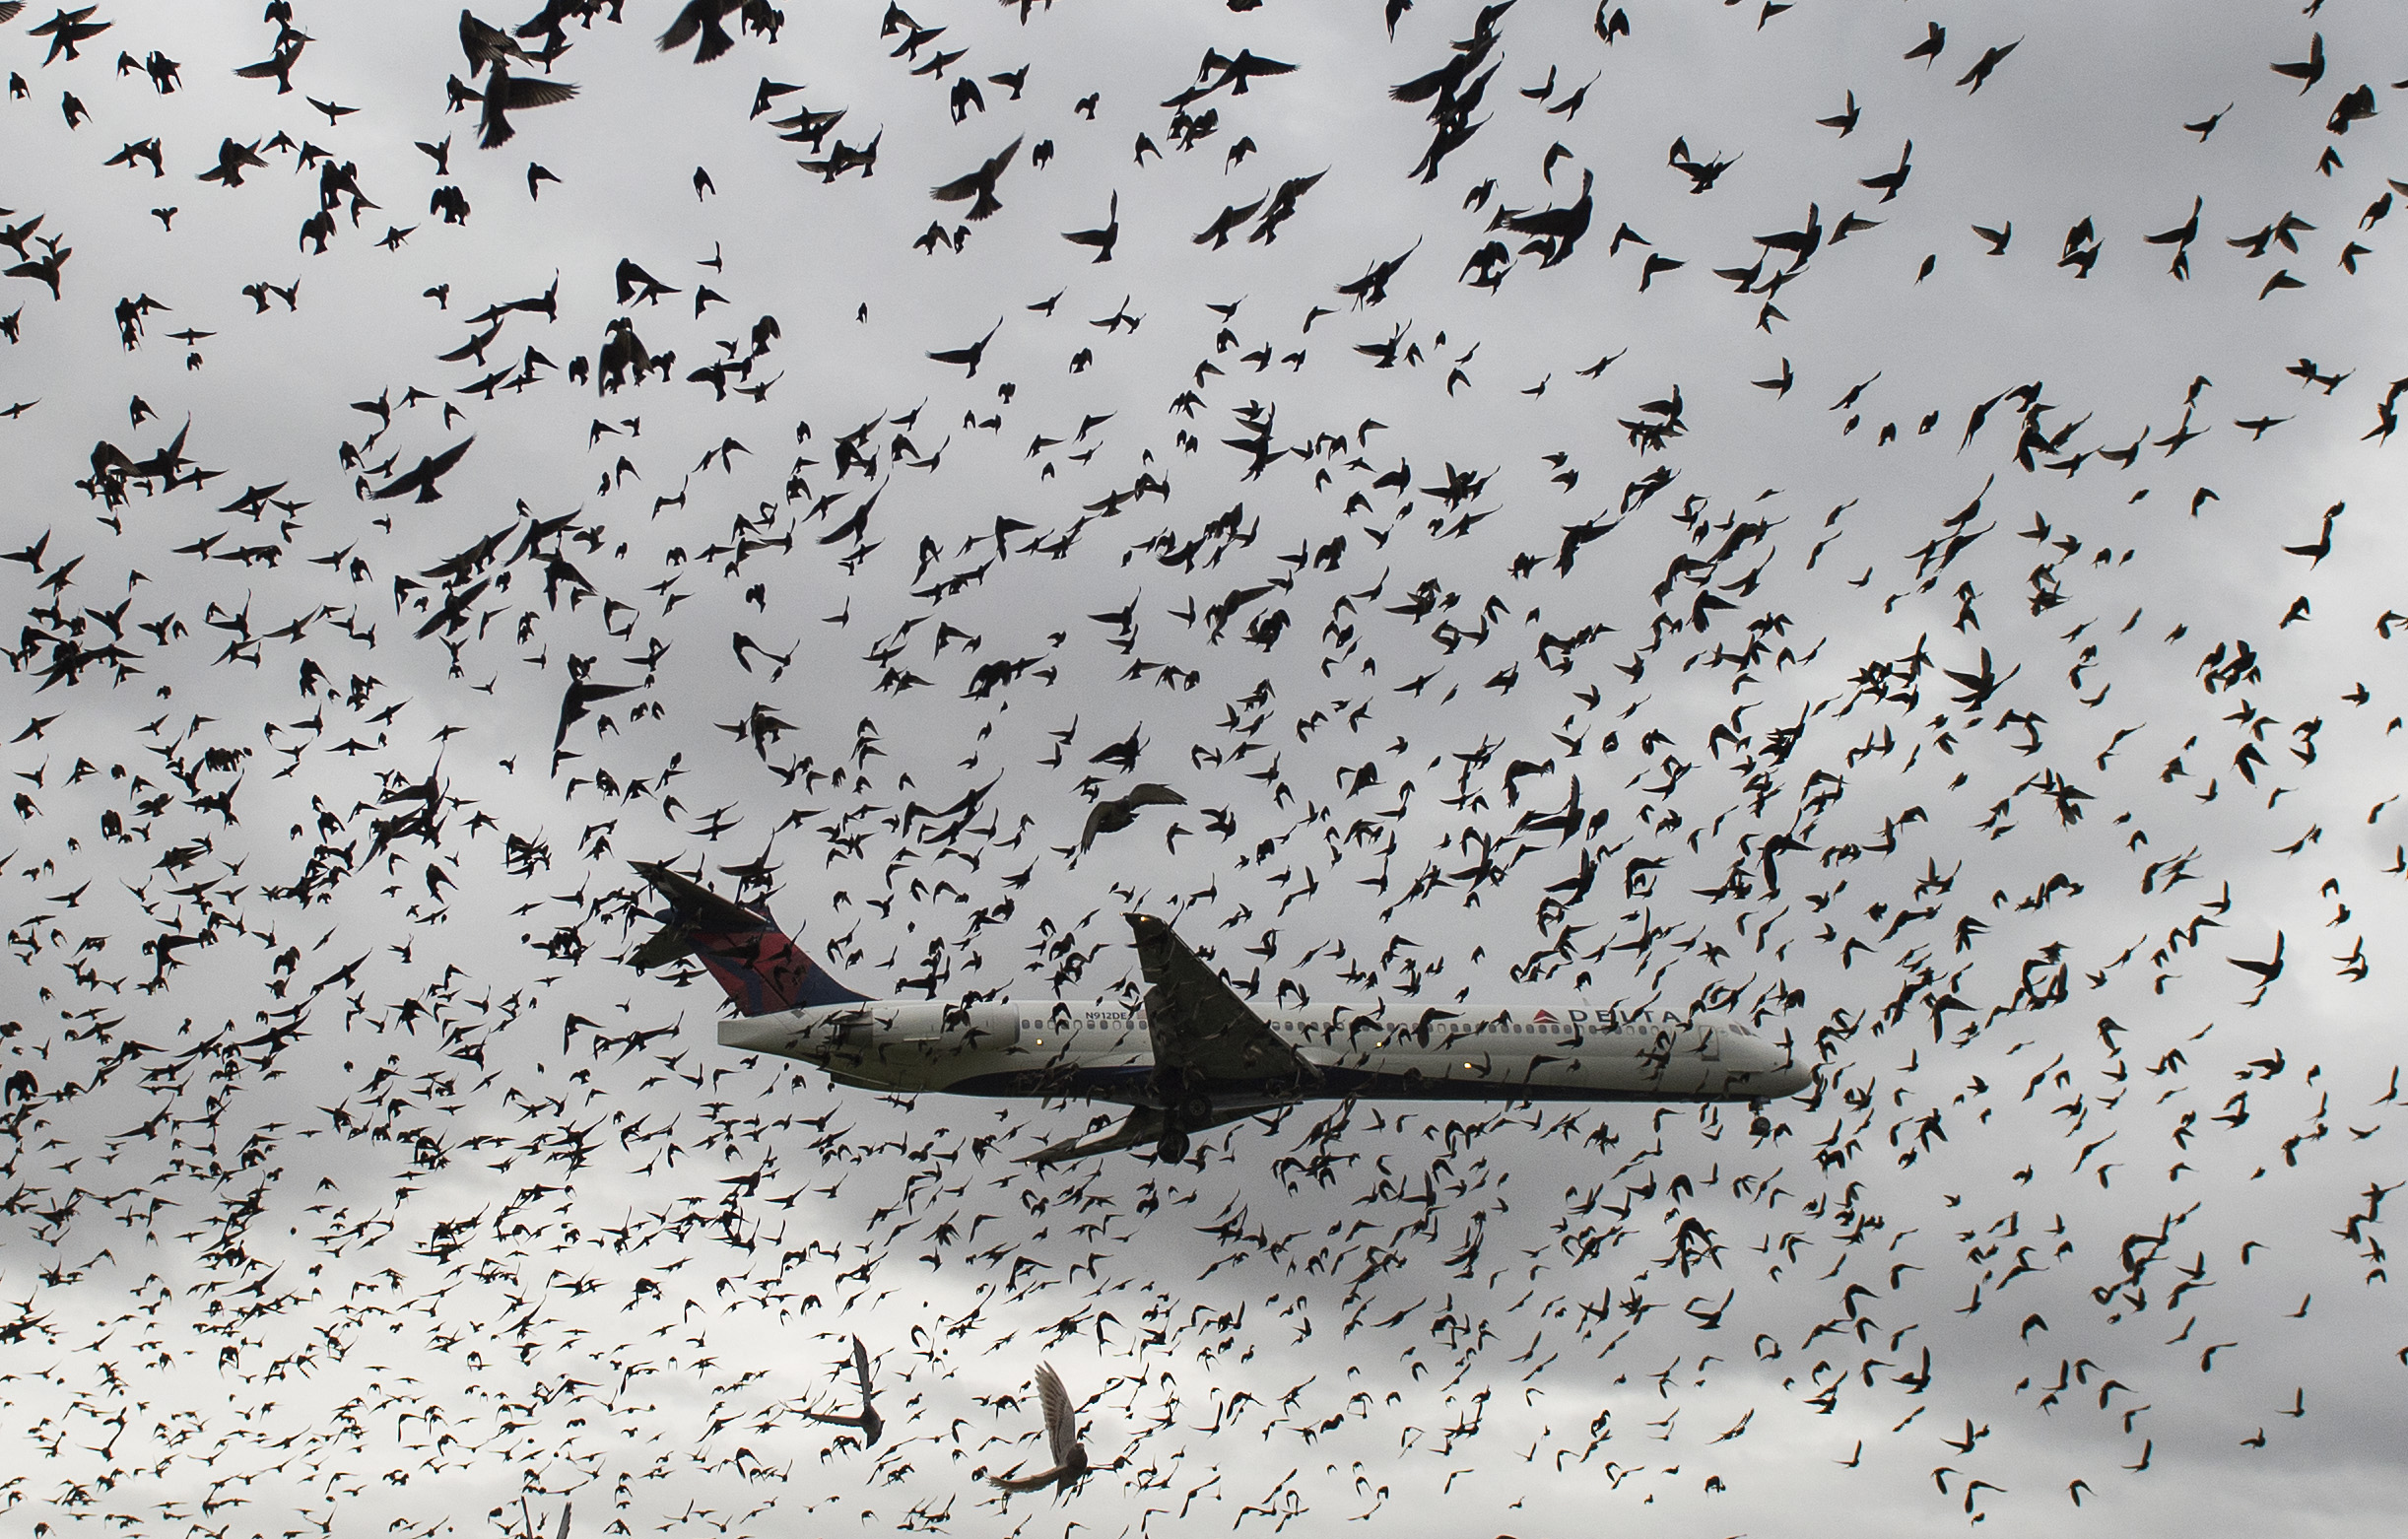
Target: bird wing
407, 482
581, 696
1149, 794
961, 187
861, 1370
1198, 1024
444, 462
526, 92
1061, 1417
681, 31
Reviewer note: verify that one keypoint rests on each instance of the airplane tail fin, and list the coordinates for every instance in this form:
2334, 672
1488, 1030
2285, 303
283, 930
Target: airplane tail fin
739, 944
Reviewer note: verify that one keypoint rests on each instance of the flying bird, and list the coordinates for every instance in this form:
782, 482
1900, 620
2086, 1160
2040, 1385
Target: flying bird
484, 44
979, 184
1980, 72
969, 355
2306, 71
700, 19
869, 1421
506, 94
422, 477
66, 30
1102, 240
1113, 813
1061, 1440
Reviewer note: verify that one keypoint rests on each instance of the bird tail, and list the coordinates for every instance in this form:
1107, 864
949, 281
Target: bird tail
741, 947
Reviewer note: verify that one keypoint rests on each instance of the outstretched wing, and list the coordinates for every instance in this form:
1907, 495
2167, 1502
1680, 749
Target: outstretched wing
1200, 1027
450, 458
1061, 1417
528, 91
980, 182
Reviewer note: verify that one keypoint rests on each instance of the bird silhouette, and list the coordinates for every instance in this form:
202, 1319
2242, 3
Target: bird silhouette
1113, 813
1062, 1443
867, 1419
1102, 241
969, 355
506, 94
422, 477
978, 184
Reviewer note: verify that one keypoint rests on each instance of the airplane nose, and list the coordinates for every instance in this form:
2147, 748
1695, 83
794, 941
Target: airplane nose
1787, 1080
1769, 1070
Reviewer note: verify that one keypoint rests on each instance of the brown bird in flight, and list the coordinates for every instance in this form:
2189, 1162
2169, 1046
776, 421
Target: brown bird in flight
1061, 1440
1118, 813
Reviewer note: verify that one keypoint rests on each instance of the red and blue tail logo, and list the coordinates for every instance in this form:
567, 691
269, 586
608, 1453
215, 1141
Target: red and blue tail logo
739, 944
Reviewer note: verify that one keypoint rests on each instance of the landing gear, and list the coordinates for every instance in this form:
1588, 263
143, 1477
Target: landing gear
1762, 1127
1185, 1108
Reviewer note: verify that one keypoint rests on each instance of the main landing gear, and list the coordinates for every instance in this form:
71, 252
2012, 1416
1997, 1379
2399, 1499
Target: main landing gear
1191, 1112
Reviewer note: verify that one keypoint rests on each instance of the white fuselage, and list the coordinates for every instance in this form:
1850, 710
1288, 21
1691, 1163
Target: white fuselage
1103, 1049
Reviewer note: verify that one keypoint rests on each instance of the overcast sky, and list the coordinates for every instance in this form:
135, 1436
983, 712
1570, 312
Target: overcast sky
352, 1181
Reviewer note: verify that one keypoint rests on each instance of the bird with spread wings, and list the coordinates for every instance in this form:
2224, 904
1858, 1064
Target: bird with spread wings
1115, 813
1061, 1440
422, 477
869, 1421
979, 184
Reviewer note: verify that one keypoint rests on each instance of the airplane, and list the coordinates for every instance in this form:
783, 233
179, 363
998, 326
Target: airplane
1193, 1056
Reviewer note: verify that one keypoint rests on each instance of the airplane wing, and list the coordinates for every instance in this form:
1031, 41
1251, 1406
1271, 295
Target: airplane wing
1143, 1125
1201, 1030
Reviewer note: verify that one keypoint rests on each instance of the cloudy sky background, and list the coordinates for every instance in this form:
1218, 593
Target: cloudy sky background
546, 1258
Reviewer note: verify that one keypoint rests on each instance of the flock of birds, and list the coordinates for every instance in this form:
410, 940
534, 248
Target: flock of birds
2025, 766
